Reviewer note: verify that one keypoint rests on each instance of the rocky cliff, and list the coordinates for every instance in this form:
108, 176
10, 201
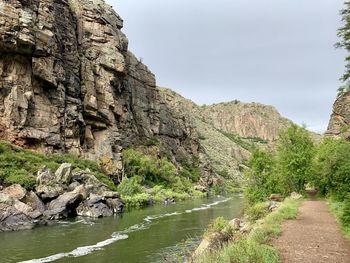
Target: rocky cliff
229, 132
68, 83
339, 125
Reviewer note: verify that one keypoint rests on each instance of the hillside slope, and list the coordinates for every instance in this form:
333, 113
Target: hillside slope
229, 132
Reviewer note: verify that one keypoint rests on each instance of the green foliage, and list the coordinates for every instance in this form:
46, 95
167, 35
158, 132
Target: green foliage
254, 247
257, 211
137, 201
345, 216
344, 35
341, 212
261, 178
18, 165
287, 170
295, 154
152, 142
130, 186
151, 179
239, 141
332, 166
218, 225
21, 177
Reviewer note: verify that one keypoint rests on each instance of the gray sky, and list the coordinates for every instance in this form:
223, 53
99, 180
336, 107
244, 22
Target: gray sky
277, 52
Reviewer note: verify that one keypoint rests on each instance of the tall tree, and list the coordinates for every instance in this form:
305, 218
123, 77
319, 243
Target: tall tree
344, 42
295, 154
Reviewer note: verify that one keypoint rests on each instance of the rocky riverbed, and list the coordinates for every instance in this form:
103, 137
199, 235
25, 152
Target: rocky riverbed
60, 195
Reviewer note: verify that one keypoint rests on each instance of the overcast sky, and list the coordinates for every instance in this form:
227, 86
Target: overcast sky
277, 52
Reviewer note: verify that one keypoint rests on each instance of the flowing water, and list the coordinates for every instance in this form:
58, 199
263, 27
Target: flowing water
146, 235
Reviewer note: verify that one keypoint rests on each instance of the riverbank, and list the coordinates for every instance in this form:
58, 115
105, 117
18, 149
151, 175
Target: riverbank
145, 235
39, 189
252, 242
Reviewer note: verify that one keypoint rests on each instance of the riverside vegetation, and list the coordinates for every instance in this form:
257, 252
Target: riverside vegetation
146, 180
297, 163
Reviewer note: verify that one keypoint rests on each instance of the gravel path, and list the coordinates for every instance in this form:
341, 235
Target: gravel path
314, 237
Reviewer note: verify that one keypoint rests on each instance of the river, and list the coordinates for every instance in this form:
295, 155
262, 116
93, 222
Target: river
139, 236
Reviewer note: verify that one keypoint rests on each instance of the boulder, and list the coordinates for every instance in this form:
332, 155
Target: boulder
64, 206
11, 219
45, 177
34, 201
63, 174
26, 209
6, 199
115, 204
15, 191
49, 192
272, 206
95, 210
235, 223
276, 197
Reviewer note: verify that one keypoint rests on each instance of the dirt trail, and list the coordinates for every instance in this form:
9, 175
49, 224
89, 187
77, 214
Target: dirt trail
314, 237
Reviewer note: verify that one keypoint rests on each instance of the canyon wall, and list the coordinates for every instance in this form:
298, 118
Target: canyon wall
69, 84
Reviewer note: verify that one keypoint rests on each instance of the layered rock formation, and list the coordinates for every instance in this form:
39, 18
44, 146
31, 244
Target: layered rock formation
247, 120
68, 83
230, 131
339, 125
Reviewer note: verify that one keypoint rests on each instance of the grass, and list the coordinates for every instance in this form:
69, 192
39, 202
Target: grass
254, 247
18, 166
337, 209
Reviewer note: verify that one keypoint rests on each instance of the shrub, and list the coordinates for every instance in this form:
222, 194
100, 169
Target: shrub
345, 215
218, 225
130, 186
333, 168
257, 211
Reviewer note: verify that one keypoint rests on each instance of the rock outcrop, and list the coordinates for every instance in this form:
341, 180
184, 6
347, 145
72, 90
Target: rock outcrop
339, 125
68, 83
228, 132
56, 197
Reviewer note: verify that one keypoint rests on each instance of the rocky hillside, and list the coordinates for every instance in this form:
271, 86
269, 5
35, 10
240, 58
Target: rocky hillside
230, 131
339, 125
69, 84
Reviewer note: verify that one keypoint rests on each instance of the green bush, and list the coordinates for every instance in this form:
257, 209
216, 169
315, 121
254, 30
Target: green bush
218, 225
261, 178
345, 215
137, 200
257, 211
332, 166
129, 187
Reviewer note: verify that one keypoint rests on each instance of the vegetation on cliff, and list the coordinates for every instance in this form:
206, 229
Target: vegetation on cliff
18, 166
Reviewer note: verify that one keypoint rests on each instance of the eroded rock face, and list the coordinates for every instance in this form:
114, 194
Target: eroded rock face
339, 125
68, 83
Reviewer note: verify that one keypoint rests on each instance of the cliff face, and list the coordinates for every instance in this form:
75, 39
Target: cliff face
247, 120
68, 83
339, 125
229, 132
